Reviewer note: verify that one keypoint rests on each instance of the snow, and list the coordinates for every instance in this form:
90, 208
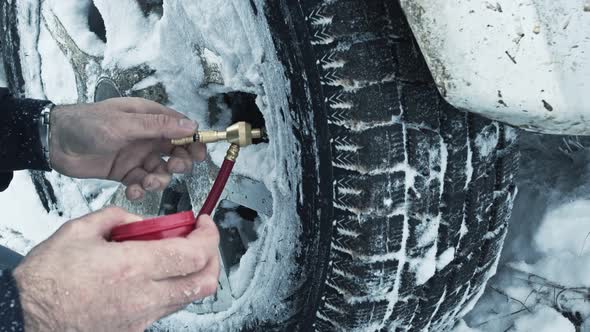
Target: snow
445, 258
568, 221
545, 264
425, 267
56, 69
548, 246
72, 14
3, 82
543, 320
24, 221
486, 141
30, 24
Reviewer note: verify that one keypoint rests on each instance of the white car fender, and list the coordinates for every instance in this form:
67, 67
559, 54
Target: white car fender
523, 62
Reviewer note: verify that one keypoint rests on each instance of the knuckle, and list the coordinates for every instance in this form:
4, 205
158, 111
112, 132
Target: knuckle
209, 286
158, 120
198, 260
113, 210
69, 227
74, 228
134, 101
127, 271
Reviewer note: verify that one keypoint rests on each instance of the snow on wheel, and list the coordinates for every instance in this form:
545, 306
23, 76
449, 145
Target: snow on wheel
374, 204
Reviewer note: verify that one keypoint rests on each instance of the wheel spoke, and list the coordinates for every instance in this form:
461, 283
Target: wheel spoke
222, 299
82, 62
199, 183
249, 193
148, 206
212, 66
137, 82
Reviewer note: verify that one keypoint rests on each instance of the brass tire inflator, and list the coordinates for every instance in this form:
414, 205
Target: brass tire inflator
181, 224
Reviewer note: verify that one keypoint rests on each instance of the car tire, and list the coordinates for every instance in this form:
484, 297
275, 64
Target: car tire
420, 192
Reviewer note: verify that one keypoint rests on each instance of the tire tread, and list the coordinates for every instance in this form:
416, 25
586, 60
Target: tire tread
410, 180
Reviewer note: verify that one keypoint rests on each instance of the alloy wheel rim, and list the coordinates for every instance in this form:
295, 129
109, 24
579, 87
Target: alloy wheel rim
96, 82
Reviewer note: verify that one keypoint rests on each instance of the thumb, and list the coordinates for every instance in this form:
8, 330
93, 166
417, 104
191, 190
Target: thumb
100, 223
157, 126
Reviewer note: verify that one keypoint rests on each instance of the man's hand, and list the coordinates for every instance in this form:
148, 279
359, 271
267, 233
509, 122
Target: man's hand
122, 139
77, 281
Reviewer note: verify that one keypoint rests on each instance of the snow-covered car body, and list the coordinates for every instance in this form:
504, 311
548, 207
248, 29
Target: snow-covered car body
523, 62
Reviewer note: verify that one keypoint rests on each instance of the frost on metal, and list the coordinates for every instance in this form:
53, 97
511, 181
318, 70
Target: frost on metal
523, 62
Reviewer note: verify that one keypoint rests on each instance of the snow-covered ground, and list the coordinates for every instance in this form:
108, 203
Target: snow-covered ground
544, 273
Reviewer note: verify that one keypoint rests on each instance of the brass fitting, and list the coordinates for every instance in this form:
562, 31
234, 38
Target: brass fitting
233, 152
240, 133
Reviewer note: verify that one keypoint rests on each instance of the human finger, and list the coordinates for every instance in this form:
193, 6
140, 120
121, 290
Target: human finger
134, 176
198, 151
180, 162
205, 230
169, 258
100, 223
137, 105
186, 289
152, 162
134, 192
156, 126
158, 180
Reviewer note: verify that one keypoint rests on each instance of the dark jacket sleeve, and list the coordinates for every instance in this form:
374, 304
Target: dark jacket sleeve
11, 314
20, 144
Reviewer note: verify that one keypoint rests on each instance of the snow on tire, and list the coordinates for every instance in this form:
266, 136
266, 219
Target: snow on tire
421, 192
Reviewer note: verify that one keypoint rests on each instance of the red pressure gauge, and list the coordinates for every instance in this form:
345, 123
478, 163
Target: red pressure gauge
174, 225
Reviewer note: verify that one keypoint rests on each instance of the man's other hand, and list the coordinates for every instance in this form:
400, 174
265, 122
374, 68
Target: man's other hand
122, 139
77, 281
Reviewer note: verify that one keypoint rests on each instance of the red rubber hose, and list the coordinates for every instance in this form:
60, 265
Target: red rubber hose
217, 188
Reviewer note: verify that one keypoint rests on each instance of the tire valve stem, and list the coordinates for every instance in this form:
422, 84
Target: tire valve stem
240, 133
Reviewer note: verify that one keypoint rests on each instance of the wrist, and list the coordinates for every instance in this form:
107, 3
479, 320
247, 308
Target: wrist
36, 311
57, 156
